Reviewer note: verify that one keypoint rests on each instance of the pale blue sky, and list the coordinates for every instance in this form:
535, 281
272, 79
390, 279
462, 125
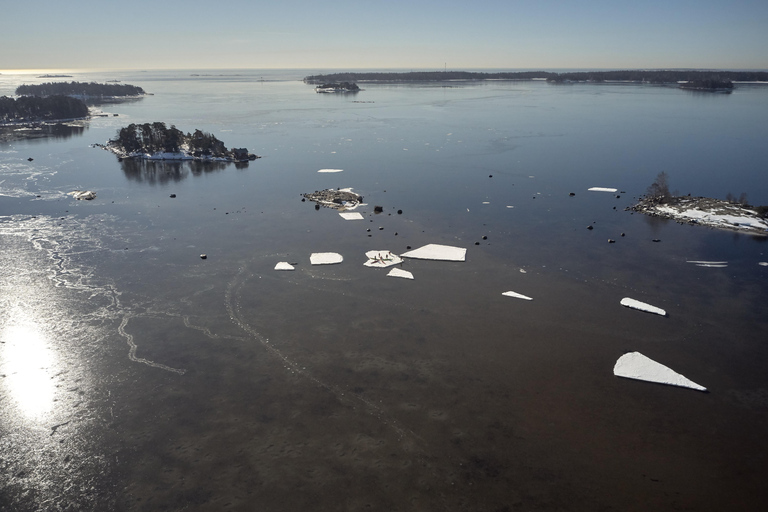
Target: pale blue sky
414, 34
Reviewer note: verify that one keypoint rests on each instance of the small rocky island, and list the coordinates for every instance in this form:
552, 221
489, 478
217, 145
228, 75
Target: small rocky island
337, 87
731, 213
156, 141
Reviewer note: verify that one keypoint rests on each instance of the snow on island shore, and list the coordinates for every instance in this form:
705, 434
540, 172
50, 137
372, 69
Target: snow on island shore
706, 211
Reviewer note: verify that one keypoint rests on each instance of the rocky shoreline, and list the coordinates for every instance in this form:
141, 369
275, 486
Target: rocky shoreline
705, 211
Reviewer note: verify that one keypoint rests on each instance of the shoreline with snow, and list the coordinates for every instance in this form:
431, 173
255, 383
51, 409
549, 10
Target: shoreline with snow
705, 211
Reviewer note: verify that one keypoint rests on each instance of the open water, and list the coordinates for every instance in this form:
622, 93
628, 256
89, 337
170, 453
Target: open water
135, 375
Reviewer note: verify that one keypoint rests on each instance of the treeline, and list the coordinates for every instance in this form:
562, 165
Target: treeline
157, 137
424, 76
79, 89
29, 109
641, 76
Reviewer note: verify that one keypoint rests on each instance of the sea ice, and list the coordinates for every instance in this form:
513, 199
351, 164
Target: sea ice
437, 252
713, 264
382, 259
602, 189
351, 215
325, 258
331, 170
516, 295
398, 272
83, 194
634, 365
283, 265
642, 306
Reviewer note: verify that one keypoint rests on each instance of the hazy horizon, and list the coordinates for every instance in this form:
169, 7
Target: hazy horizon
397, 35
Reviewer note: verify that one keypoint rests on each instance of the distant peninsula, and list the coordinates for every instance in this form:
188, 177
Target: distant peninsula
80, 90
633, 76
156, 141
34, 109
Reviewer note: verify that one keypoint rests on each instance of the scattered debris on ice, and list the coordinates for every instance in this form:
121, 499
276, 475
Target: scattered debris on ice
634, 365
642, 306
437, 252
331, 170
382, 259
603, 189
83, 195
398, 272
351, 215
713, 264
283, 265
516, 295
325, 258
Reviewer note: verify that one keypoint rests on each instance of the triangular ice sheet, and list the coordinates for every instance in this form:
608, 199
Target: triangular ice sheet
642, 306
437, 252
398, 272
634, 365
283, 265
516, 295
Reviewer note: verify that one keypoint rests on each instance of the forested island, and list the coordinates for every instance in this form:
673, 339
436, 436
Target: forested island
156, 141
34, 109
80, 89
638, 76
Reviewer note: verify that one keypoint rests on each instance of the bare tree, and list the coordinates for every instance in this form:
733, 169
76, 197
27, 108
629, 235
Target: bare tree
659, 189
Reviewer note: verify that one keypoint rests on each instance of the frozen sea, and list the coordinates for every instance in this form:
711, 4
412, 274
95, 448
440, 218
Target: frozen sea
136, 376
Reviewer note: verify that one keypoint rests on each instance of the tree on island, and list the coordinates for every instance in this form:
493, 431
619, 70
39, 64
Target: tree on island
31, 109
658, 192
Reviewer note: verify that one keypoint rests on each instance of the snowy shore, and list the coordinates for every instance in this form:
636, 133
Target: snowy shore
706, 211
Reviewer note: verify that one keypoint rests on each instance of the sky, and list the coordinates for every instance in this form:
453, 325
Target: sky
391, 34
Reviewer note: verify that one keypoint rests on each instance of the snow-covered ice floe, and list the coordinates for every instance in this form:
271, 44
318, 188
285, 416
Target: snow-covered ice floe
642, 306
437, 252
763, 263
351, 215
325, 258
634, 365
283, 265
713, 264
398, 272
382, 259
516, 295
602, 189
83, 195
331, 170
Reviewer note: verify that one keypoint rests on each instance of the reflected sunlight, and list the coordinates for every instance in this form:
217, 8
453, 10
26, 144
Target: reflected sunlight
25, 360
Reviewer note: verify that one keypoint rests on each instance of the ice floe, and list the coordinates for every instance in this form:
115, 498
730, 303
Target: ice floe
398, 272
351, 215
516, 295
642, 306
331, 170
763, 263
713, 264
437, 252
325, 258
382, 259
634, 365
83, 195
603, 189
283, 265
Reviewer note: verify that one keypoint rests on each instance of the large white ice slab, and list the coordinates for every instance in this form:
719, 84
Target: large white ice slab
634, 365
398, 272
516, 295
283, 265
437, 252
382, 259
602, 189
331, 170
713, 264
325, 258
642, 306
351, 215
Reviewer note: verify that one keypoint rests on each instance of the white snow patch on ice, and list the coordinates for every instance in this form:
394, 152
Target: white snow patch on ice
437, 252
642, 306
634, 365
709, 217
398, 272
516, 295
325, 258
